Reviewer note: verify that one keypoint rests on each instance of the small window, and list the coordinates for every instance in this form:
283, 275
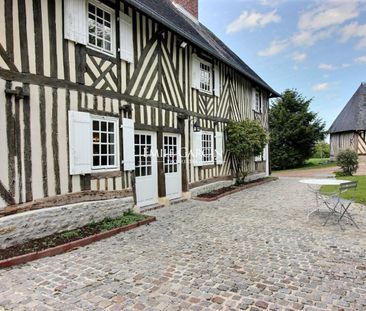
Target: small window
207, 148
258, 102
205, 78
104, 138
100, 28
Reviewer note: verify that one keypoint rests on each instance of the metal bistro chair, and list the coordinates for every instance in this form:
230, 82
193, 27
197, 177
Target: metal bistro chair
339, 206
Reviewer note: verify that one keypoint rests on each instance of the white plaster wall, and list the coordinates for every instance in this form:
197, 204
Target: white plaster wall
19, 228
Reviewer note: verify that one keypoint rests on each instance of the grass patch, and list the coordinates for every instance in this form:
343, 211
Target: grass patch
359, 193
311, 164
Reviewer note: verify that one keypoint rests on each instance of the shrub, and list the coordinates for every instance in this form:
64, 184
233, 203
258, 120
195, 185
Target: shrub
245, 140
348, 161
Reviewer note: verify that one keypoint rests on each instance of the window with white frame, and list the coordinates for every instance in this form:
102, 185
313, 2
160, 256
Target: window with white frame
100, 27
205, 77
104, 132
258, 102
207, 148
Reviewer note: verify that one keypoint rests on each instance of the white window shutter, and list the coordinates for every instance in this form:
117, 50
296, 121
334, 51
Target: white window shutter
80, 143
128, 144
219, 148
197, 148
126, 37
217, 81
75, 21
195, 72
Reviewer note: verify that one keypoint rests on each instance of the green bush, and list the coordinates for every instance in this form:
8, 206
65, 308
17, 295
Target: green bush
245, 140
348, 161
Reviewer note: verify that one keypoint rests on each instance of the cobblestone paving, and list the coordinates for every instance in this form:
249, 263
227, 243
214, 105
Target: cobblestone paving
253, 250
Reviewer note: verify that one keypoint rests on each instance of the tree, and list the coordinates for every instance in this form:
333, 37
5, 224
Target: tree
321, 150
294, 130
245, 140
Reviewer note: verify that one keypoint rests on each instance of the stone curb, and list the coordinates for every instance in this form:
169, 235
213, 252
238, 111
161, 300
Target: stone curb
235, 190
22, 259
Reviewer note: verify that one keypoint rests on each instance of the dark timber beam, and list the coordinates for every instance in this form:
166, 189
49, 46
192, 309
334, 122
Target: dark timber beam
58, 83
5, 195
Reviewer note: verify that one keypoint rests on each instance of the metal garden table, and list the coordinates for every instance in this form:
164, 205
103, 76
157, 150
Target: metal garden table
313, 185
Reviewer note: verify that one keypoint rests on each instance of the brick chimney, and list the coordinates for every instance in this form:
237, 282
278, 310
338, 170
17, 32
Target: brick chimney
190, 6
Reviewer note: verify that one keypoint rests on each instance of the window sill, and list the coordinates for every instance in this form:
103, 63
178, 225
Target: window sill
104, 170
92, 47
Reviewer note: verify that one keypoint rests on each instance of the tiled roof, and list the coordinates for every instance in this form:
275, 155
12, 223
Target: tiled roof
165, 12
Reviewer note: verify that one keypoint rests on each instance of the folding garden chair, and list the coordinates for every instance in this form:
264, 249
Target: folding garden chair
339, 206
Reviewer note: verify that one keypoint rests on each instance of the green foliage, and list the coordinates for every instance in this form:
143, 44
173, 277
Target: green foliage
359, 194
321, 150
245, 139
348, 161
294, 130
71, 234
128, 217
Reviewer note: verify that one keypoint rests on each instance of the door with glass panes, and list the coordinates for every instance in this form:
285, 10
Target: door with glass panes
146, 168
172, 165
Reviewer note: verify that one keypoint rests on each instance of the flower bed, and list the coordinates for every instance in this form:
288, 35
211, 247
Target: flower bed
219, 193
61, 242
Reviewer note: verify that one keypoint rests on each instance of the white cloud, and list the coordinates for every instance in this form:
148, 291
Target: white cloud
330, 13
346, 65
320, 87
271, 3
361, 59
298, 56
327, 67
309, 38
354, 30
276, 47
253, 19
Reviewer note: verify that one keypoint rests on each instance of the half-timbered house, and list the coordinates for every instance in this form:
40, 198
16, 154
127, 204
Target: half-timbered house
116, 99
348, 130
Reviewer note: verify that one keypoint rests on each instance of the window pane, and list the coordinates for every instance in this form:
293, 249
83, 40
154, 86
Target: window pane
96, 161
104, 160
104, 149
143, 171
91, 8
111, 127
103, 126
91, 39
99, 43
99, 13
111, 160
96, 149
96, 137
111, 149
137, 139
137, 172
148, 141
111, 138
103, 137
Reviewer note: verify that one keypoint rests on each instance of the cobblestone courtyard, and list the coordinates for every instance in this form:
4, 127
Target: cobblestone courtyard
253, 250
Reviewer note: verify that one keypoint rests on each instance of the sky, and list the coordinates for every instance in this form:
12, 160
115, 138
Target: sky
315, 46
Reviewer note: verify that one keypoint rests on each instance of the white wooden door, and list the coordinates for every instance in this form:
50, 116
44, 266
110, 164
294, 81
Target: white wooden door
146, 168
172, 165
